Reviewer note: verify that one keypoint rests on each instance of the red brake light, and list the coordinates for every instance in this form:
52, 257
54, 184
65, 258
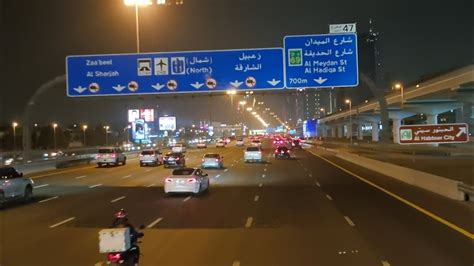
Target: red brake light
217, 160
276, 151
113, 256
192, 180
177, 158
168, 180
203, 159
112, 155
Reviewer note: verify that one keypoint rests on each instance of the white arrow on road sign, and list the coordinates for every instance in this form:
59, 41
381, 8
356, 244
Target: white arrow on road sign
462, 130
118, 88
236, 83
80, 89
273, 82
197, 85
158, 86
320, 80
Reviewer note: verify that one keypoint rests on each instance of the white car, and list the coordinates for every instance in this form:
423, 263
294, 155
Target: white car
220, 144
201, 145
110, 156
186, 180
148, 157
253, 154
179, 148
239, 142
212, 160
14, 186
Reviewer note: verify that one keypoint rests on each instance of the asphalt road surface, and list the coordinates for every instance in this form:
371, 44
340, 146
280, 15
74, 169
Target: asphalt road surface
303, 211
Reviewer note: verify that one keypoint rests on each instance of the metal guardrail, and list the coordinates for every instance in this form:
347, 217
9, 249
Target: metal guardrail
468, 191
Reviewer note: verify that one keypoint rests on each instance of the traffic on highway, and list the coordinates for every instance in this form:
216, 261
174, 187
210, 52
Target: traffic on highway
236, 133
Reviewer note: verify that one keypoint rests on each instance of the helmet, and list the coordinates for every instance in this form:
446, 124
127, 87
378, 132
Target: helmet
122, 214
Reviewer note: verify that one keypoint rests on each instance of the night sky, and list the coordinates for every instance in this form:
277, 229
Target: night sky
417, 37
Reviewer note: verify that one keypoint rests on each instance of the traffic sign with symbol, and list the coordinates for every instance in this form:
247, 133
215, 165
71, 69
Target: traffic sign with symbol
426, 134
321, 61
174, 72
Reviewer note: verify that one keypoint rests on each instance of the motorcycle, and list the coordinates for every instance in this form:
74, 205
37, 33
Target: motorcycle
129, 257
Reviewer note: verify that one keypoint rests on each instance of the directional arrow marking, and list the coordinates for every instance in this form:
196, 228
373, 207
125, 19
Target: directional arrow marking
118, 88
158, 86
236, 83
80, 89
320, 80
462, 130
273, 82
197, 85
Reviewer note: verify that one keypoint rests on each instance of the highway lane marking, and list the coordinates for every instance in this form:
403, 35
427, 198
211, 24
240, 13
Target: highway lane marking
217, 176
110, 170
263, 175
265, 169
329, 197
256, 198
62, 222
151, 185
385, 263
407, 202
98, 264
236, 263
48, 199
260, 185
232, 165
155, 222
310, 175
148, 170
306, 169
127, 176
62, 172
96, 185
226, 170
40, 186
187, 198
249, 221
349, 221
81, 176
317, 184
117, 199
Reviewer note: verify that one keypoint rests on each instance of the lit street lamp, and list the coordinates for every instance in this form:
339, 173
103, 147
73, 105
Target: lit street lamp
323, 110
14, 125
399, 86
106, 134
84, 128
137, 3
232, 93
55, 125
350, 119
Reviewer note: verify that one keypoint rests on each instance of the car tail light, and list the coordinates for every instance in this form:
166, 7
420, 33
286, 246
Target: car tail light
113, 256
141, 155
203, 160
217, 160
168, 180
192, 180
276, 151
177, 158
113, 155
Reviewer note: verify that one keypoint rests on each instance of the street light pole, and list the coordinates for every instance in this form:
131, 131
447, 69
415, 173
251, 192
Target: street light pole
14, 125
350, 120
137, 28
84, 127
54, 135
106, 135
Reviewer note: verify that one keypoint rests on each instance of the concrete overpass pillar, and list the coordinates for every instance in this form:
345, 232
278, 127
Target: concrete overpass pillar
397, 122
432, 119
348, 130
340, 131
360, 136
324, 132
375, 131
333, 131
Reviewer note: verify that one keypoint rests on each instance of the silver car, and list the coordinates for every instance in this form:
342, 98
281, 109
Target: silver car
151, 157
212, 160
186, 180
253, 154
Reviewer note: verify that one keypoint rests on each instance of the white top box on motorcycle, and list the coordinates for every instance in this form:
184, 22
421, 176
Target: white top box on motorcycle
114, 240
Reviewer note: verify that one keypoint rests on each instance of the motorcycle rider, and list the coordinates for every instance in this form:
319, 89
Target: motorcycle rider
121, 220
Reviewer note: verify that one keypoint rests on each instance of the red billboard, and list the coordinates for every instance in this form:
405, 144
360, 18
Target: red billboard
426, 134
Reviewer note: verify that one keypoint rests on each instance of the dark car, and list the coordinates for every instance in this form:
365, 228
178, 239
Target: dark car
282, 152
174, 159
296, 144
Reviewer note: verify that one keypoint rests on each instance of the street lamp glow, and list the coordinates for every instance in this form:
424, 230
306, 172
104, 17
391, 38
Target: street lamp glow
14, 124
137, 2
55, 125
397, 86
242, 102
348, 101
84, 127
249, 109
231, 92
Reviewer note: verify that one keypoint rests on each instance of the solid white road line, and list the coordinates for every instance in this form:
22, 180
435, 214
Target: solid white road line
249, 221
349, 221
48, 199
151, 185
96, 185
256, 198
127, 176
236, 263
385, 263
187, 198
155, 222
317, 184
40, 186
260, 185
62, 222
117, 199
329, 197
79, 177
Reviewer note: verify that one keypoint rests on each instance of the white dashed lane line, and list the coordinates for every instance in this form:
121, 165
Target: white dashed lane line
217, 176
127, 176
48, 199
263, 175
117, 199
256, 198
96, 185
236, 263
329, 197
317, 184
62, 222
349, 221
187, 198
80, 177
226, 170
249, 221
148, 170
151, 185
385, 263
260, 185
155, 222
40, 186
